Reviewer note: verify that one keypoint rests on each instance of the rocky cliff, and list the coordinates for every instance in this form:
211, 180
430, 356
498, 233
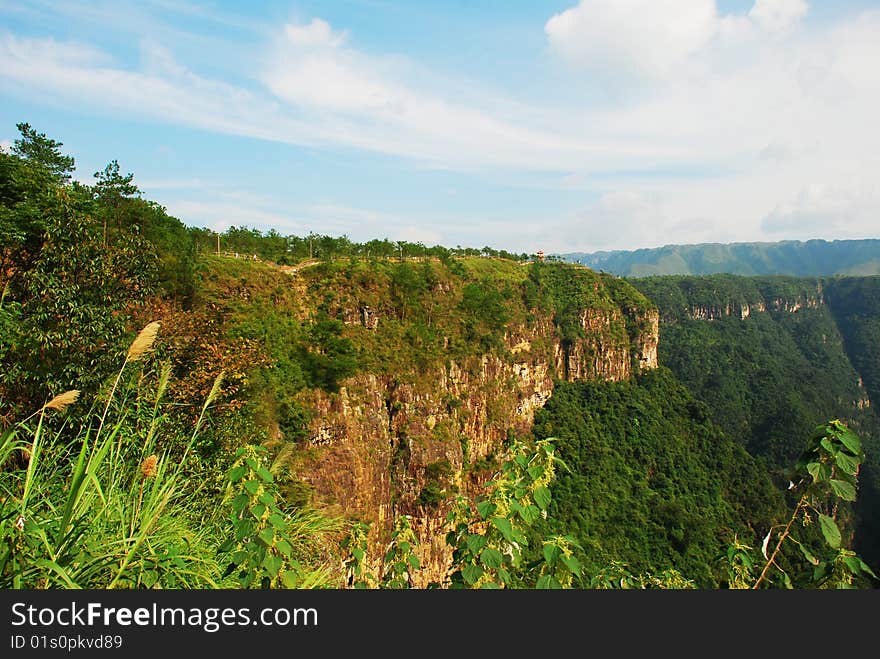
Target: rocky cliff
404, 439
722, 296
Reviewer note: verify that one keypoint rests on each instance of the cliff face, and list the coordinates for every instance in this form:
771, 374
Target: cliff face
746, 309
405, 442
806, 302
724, 296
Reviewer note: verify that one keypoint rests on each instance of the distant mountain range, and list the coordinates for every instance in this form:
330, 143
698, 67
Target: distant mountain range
790, 257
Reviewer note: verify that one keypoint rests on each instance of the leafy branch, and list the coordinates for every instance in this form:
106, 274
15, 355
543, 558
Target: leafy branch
827, 471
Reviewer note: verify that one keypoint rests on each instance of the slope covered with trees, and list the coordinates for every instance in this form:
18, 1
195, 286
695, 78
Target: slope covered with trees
651, 481
790, 257
770, 359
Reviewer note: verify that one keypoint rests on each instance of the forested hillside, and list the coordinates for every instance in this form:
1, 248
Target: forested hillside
790, 257
652, 481
772, 357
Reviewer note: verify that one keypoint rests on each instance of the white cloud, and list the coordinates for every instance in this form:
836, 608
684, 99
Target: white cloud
848, 210
621, 217
327, 95
388, 104
362, 224
616, 40
6, 146
778, 15
70, 73
211, 206
316, 34
641, 37
774, 113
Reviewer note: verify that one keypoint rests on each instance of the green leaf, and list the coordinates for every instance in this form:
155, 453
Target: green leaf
551, 552
844, 490
414, 562
252, 486
830, 531
548, 581
150, 577
267, 535
258, 510
472, 573
820, 471
237, 473
243, 529
265, 474
266, 498
491, 558
530, 513
806, 552
284, 547
571, 540
290, 579
573, 564
853, 564
865, 567
542, 497
239, 503
277, 521
850, 441
486, 508
475, 543
272, 564
503, 524
787, 581
535, 471
847, 463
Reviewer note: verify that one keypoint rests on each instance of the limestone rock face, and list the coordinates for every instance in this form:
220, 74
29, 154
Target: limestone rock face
389, 445
745, 309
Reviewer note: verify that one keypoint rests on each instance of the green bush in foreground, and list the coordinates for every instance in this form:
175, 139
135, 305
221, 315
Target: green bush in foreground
115, 504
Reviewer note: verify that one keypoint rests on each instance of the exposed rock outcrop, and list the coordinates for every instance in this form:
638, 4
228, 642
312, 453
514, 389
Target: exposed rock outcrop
388, 445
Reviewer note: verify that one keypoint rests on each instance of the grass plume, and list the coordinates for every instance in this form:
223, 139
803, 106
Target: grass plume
62, 400
143, 344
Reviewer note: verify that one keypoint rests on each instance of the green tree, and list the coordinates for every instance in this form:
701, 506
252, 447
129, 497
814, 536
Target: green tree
111, 190
45, 152
71, 306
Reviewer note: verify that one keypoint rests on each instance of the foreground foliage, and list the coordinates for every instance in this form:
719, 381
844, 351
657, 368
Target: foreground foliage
125, 500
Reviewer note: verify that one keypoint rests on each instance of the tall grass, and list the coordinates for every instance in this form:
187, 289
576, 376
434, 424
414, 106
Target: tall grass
112, 503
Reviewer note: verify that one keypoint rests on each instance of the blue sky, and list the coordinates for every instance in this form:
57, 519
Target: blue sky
558, 125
